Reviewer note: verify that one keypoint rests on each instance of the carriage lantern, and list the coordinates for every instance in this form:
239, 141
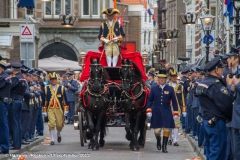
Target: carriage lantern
145, 59
82, 58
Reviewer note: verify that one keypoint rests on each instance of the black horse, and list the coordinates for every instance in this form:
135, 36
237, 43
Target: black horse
135, 97
94, 101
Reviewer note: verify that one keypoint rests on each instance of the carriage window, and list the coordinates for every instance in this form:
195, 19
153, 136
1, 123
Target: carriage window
95, 7
85, 7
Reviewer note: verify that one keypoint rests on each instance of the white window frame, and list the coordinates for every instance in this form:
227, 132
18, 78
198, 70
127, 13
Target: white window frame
149, 37
54, 8
88, 8
98, 15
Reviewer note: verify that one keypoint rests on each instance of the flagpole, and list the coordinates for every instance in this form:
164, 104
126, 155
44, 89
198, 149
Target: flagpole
228, 35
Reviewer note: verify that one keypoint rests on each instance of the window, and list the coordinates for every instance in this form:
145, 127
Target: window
48, 8
85, 7
29, 11
95, 10
150, 17
145, 18
213, 11
144, 37
58, 7
67, 6
149, 38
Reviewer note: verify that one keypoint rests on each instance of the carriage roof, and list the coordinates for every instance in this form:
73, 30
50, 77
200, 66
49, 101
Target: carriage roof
112, 71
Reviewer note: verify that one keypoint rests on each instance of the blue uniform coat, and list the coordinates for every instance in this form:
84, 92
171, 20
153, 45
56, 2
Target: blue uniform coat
71, 91
159, 100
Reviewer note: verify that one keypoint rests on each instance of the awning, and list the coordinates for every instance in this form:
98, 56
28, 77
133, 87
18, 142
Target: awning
26, 3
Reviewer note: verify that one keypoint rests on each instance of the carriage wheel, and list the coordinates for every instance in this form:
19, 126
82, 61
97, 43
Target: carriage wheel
81, 132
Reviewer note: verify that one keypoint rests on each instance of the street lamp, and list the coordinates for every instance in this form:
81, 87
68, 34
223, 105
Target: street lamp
207, 21
67, 20
188, 18
236, 5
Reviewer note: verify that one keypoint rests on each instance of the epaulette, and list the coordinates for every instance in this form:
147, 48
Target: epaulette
217, 80
187, 79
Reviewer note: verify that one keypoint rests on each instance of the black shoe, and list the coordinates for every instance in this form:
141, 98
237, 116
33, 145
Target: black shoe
164, 145
158, 142
175, 144
25, 142
170, 142
59, 139
51, 143
14, 148
40, 134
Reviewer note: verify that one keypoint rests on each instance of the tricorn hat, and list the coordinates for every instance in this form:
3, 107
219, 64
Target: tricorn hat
110, 11
52, 75
162, 73
172, 72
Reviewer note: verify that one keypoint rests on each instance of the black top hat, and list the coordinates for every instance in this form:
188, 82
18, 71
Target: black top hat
162, 73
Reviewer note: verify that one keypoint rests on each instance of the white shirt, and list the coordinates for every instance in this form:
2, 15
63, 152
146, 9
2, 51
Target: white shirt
162, 86
174, 85
110, 22
54, 88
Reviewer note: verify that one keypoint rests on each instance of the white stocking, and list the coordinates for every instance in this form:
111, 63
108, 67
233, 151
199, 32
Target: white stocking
109, 61
175, 134
52, 135
115, 60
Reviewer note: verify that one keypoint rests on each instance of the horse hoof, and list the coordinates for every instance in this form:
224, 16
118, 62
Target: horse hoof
141, 145
129, 137
135, 149
101, 143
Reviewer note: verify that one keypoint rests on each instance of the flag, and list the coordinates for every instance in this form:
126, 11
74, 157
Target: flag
114, 3
149, 11
154, 21
121, 20
145, 4
228, 9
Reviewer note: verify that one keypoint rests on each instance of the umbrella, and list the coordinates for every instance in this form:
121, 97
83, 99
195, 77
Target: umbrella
56, 63
26, 3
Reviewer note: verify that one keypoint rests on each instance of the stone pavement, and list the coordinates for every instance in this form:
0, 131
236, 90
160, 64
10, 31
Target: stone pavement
116, 148
199, 150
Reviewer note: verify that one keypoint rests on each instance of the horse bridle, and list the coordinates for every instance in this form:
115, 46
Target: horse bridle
100, 79
130, 70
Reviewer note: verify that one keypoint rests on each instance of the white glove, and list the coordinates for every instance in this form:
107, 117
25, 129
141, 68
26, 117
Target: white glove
184, 114
44, 114
65, 113
115, 39
175, 117
149, 115
105, 40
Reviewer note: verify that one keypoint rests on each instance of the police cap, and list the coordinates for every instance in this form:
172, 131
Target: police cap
35, 74
213, 64
234, 51
16, 65
185, 70
38, 71
9, 72
150, 74
69, 73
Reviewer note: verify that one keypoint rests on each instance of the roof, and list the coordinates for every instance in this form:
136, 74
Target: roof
132, 2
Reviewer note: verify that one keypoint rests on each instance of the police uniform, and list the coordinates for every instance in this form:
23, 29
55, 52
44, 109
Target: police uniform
54, 105
179, 92
5, 87
111, 34
216, 104
18, 89
159, 100
71, 96
39, 123
151, 83
185, 83
234, 126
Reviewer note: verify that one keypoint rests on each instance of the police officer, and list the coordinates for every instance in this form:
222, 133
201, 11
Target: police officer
71, 86
234, 126
39, 124
216, 104
17, 92
150, 81
162, 116
185, 81
5, 87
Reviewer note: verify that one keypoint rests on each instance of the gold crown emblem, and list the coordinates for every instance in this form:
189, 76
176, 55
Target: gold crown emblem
52, 75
